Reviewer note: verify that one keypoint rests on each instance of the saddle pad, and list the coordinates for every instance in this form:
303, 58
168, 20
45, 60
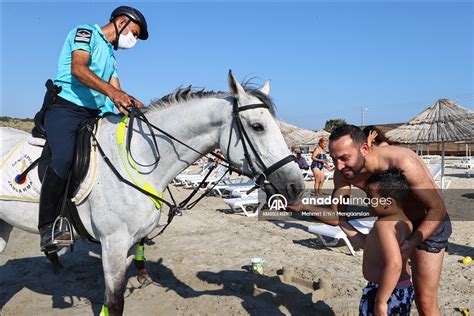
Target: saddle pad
19, 158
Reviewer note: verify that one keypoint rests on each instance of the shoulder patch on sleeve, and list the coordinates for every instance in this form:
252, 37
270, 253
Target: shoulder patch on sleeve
83, 36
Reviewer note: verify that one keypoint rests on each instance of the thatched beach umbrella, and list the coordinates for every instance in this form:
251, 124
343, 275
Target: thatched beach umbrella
295, 136
444, 121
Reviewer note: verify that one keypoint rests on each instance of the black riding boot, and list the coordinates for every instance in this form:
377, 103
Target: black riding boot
52, 190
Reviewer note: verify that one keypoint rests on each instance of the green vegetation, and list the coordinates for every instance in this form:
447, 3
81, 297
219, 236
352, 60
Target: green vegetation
333, 123
25, 124
10, 119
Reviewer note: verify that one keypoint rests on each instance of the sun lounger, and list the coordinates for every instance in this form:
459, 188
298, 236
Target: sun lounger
328, 174
335, 232
256, 201
233, 186
308, 175
191, 181
185, 175
213, 179
243, 192
467, 164
435, 170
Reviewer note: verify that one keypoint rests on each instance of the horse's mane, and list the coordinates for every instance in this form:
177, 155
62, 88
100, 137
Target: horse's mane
182, 95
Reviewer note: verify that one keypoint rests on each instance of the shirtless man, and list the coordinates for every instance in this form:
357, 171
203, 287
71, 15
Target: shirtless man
425, 208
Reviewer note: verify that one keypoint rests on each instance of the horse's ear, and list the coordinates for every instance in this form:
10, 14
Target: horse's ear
235, 87
265, 89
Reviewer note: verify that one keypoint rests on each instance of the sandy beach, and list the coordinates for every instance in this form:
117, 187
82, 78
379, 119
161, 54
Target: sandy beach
199, 267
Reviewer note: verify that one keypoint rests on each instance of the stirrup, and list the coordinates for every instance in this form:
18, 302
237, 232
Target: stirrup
62, 234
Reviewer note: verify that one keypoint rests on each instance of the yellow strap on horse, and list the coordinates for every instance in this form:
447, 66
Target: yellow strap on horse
140, 253
104, 311
129, 165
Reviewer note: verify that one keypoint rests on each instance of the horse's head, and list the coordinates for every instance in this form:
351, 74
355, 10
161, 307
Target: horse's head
253, 143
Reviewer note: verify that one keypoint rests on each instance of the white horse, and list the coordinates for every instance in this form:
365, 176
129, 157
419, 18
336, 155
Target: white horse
119, 216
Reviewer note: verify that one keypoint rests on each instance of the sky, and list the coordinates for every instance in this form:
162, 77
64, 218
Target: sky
325, 60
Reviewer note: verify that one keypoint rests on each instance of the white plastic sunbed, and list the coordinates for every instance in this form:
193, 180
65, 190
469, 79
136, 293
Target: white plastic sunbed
232, 187
362, 225
435, 171
256, 200
308, 174
185, 175
214, 176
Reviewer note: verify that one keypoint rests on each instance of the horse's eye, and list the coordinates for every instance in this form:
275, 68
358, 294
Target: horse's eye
257, 127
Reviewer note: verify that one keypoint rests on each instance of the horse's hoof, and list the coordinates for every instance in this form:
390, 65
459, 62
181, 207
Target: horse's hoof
144, 279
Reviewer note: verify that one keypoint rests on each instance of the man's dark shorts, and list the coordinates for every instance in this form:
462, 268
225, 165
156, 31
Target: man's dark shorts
439, 239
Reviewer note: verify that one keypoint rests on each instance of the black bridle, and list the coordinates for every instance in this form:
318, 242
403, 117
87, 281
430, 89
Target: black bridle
260, 179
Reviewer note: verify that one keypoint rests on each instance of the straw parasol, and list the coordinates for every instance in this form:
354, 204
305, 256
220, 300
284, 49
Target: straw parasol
295, 136
444, 121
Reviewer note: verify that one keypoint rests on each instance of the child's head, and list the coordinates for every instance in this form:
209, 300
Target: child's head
387, 189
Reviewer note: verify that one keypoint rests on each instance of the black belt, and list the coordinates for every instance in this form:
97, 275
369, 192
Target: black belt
63, 102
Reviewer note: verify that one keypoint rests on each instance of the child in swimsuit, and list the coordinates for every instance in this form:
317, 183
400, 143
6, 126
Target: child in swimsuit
389, 291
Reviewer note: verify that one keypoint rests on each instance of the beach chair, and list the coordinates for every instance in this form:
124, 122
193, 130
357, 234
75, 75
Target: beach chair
233, 186
307, 174
328, 174
335, 232
468, 164
214, 176
435, 170
254, 200
185, 175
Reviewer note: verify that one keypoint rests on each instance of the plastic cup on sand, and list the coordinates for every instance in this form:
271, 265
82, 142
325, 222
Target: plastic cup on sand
256, 265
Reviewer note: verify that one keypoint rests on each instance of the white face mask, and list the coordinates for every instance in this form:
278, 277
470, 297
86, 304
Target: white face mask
126, 41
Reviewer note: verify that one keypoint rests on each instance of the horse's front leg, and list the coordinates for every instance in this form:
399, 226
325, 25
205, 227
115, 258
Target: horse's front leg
114, 262
139, 261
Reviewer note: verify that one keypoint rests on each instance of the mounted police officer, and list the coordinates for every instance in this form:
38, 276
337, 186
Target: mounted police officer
86, 86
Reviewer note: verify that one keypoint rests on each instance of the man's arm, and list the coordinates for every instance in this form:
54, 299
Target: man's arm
329, 216
424, 189
80, 70
115, 82
391, 260
341, 188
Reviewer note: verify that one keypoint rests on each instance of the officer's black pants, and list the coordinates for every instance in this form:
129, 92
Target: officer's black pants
61, 123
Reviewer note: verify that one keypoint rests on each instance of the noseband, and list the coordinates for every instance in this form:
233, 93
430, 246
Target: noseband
259, 178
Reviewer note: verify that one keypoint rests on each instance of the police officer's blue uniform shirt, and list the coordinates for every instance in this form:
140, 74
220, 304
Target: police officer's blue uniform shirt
102, 62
